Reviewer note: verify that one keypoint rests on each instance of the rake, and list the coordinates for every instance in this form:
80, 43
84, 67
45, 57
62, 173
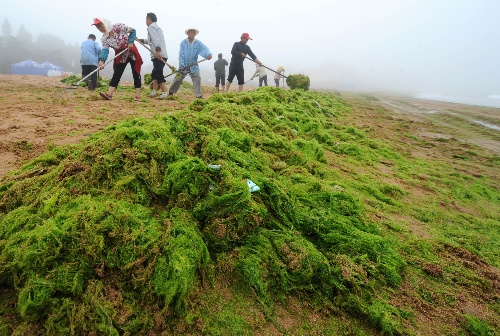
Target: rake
75, 85
186, 67
236, 88
149, 49
268, 68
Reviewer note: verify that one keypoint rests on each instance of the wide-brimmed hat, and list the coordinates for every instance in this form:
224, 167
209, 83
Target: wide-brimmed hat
192, 28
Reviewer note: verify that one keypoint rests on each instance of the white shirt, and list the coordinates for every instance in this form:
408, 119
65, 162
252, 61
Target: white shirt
261, 71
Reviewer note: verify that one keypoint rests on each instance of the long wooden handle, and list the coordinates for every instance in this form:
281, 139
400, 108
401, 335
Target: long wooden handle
267, 68
90, 74
147, 47
186, 67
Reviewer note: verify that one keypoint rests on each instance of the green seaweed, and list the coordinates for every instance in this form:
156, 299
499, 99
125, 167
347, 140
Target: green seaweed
298, 81
121, 232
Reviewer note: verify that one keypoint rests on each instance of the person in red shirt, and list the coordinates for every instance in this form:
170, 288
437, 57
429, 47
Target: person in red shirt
119, 37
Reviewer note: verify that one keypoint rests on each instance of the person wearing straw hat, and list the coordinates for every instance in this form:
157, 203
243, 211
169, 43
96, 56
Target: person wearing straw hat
120, 37
239, 52
156, 42
88, 60
189, 51
277, 76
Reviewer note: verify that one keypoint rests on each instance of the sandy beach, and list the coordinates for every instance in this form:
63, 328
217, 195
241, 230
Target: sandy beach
31, 124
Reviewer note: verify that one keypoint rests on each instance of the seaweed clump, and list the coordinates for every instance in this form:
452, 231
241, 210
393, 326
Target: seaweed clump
73, 79
115, 235
298, 81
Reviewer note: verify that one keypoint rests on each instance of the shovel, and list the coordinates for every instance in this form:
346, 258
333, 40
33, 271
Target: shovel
268, 68
75, 85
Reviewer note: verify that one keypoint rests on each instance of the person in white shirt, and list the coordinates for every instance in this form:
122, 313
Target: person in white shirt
156, 42
261, 72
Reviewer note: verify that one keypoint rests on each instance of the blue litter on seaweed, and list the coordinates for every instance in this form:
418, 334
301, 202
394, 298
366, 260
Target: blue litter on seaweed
252, 186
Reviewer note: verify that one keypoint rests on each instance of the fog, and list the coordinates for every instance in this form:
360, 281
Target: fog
403, 46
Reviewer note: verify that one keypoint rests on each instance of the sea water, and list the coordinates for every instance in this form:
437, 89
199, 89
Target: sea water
490, 101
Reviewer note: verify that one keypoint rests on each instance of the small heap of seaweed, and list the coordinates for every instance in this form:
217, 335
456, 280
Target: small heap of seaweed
73, 79
105, 236
298, 81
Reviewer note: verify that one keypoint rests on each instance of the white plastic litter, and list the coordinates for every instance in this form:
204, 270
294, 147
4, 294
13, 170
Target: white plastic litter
214, 167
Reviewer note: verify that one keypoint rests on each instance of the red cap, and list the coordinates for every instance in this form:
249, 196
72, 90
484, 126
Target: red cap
96, 21
245, 35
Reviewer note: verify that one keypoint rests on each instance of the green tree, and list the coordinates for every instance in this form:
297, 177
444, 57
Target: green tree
8, 48
6, 28
50, 48
44, 47
23, 35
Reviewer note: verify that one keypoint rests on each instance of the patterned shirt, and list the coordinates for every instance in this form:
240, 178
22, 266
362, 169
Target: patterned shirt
119, 41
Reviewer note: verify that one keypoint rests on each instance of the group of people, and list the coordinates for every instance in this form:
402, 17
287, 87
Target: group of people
260, 71
121, 38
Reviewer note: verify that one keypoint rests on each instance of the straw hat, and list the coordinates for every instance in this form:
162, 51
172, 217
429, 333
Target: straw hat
192, 28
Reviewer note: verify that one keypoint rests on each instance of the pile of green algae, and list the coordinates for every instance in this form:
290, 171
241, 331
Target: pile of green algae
140, 211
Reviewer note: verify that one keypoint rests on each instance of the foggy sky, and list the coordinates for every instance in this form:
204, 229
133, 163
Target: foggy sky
405, 46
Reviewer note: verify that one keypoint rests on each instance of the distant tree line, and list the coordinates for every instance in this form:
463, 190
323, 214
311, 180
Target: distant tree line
45, 47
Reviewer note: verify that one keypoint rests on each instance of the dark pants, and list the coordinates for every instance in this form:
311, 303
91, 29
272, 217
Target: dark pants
118, 72
86, 69
220, 80
277, 81
157, 72
239, 73
263, 79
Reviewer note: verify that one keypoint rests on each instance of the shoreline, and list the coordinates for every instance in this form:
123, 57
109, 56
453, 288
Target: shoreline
471, 101
478, 125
